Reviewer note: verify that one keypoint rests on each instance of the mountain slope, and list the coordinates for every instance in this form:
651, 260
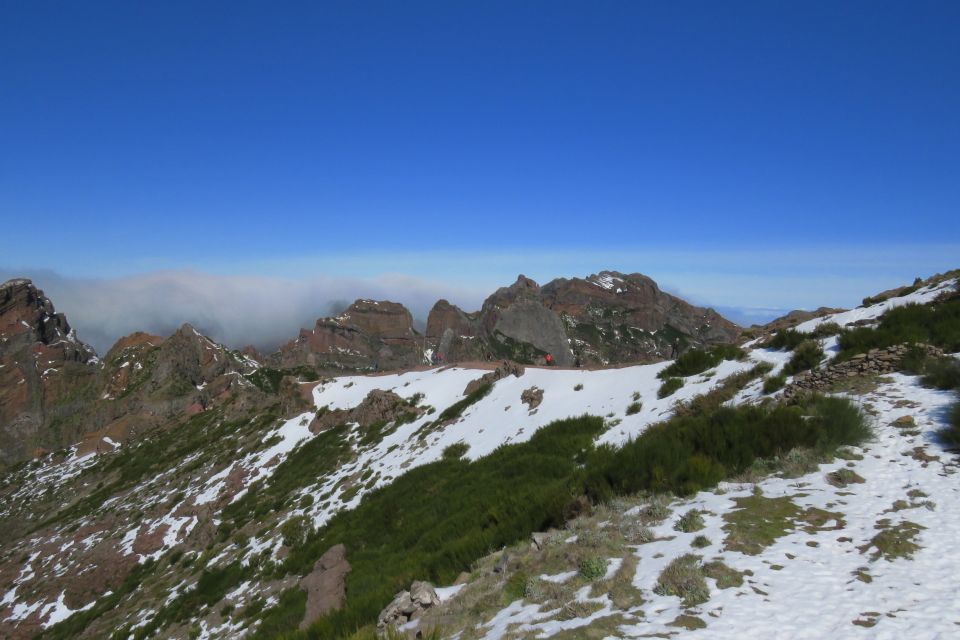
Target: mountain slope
210, 524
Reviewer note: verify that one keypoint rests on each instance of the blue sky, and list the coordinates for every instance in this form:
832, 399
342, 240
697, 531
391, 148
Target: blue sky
723, 148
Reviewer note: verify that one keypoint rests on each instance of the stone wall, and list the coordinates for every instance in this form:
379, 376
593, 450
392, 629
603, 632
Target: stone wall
874, 362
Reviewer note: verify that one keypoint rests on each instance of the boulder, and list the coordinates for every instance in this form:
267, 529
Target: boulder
326, 585
407, 606
532, 397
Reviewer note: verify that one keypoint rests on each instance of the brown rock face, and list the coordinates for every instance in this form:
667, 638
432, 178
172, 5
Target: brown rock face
378, 407
326, 585
45, 371
370, 334
54, 392
606, 318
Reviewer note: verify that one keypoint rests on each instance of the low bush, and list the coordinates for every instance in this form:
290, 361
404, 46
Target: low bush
937, 324
952, 432
690, 453
689, 522
683, 578
634, 408
806, 356
456, 451
669, 387
786, 340
592, 568
774, 383
699, 360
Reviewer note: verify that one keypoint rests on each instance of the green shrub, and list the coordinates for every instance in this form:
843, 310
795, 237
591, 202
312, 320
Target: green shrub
774, 383
689, 453
700, 542
578, 387
456, 451
683, 577
952, 433
806, 356
689, 522
634, 408
786, 340
592, 568
516, 586
699, 360
669, 387
937, 324
432, 522
295, 531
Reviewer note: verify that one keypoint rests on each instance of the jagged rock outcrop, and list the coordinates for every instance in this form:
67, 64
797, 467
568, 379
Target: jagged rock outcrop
378, 407
326, 585
45, 371
55, 392
603, 319
503, 370
408, 605
368, 335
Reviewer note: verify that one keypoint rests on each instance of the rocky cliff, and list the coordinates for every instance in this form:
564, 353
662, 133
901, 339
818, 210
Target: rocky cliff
607, 318
55, 391
368, 335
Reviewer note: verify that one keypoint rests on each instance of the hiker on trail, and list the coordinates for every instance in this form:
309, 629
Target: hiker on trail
549, 360
576, 362
675, 350
433, 358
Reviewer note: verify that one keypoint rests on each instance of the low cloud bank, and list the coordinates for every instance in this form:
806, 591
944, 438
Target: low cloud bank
234, 310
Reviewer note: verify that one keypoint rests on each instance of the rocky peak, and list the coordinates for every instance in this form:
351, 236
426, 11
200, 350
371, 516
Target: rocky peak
378, 318
369, 334
28, 317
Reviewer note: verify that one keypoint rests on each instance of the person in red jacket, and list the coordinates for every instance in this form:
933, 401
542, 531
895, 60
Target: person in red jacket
549, 360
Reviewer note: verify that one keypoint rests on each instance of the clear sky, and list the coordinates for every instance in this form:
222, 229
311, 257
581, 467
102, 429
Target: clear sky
720, 147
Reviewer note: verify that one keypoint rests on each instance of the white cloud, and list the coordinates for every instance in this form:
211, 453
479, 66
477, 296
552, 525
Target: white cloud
235, 310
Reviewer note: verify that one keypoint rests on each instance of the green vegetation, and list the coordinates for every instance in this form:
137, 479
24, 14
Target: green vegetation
700, 542
774, 383
310, 461
725, 576
893, 541
592, 568
578, 387
806, 356
268, 380
683, 578
456, 451
690, 453
435, 520
937, 324
506, 348
790, 339
669, 387
758, 522
75, 624
726, 390
634, 408
689, 522
699, 360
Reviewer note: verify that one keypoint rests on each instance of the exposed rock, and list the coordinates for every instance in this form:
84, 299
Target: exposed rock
532, 397
407, 606
369, 334
378, 407
326, 585
605, 318
873, 363
504, 370
45, 372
